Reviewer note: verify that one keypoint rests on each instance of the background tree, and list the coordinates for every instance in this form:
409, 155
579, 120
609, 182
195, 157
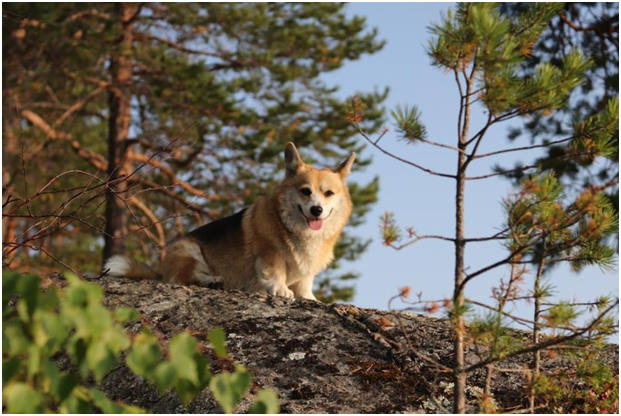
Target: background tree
202, 97
485, 53
593, 28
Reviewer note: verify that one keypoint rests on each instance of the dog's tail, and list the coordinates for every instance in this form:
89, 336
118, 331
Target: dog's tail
121, 266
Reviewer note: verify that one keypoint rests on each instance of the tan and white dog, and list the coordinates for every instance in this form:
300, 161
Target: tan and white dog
275, 246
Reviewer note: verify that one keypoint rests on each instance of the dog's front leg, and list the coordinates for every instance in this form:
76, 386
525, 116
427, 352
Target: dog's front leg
304, 288
273, 276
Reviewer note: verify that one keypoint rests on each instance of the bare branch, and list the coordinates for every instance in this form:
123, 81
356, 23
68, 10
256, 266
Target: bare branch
173, 177
407, 162
161, 240
445, 146
37, 121
88, 13
517, 149
417, 239
481, 134
500, 235
523, 168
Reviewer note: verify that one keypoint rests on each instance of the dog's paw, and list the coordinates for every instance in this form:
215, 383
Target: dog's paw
309, 296
281, 291
210, 282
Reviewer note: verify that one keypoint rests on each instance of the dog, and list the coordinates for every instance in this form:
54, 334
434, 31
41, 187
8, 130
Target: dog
276, 246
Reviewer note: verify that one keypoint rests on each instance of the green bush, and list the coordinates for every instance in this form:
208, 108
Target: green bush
38, 325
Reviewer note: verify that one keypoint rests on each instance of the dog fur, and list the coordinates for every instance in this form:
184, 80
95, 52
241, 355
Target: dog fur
275, 246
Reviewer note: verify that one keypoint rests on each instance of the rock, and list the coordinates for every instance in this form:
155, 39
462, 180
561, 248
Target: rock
318, 358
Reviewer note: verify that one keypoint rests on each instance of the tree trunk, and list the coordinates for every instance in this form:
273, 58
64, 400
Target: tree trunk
118, 131
459, 391
537, 356
9, 223
459, 399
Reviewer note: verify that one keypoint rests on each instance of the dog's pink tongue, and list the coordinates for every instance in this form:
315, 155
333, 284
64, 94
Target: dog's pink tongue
315, 224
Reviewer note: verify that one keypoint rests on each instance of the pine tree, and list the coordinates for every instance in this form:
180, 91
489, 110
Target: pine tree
201, 97
485, 53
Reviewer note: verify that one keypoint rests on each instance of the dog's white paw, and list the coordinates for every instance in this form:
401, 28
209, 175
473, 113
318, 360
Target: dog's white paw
308, 296
281, 290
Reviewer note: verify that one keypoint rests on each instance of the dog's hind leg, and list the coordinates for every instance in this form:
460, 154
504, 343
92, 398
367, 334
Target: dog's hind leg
184, 264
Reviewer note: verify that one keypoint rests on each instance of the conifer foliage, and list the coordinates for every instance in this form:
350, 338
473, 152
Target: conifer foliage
593, 28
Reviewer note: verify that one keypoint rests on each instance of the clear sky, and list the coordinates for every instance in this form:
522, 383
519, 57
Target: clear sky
427, 202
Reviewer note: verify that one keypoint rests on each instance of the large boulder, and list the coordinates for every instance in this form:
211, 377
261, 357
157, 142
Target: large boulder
318, 358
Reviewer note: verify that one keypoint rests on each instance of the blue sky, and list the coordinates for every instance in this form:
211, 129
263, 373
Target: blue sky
427, 202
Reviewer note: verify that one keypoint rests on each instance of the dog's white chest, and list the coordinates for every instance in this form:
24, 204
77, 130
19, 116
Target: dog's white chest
307, 259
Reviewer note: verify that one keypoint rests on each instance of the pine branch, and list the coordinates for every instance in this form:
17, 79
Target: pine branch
547, 344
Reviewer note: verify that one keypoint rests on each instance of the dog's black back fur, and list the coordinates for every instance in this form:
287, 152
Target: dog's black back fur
224, 228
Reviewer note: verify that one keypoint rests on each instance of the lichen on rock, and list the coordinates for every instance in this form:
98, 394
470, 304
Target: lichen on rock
318, 358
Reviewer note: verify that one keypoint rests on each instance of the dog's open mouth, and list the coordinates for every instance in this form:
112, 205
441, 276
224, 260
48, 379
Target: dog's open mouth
314, 223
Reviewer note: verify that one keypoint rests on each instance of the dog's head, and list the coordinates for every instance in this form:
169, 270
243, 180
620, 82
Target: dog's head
314, 200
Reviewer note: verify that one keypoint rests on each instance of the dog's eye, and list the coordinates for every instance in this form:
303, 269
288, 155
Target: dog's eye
329, 193
306, 191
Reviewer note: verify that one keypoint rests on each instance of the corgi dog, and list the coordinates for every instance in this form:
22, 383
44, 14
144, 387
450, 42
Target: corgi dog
276, 246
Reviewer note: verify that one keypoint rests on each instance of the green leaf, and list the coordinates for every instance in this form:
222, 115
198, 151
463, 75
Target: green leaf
9, 369
61, 385
204, 374
76, 347
14, 339
186, 390
76, 295
48, 300
165, 376
182, 348
52, 332
100, 359
81, 293
217, 339
266, 402
125, 314
77, 402
33, 361
97, 320
116, 340
229, 388
28, 288
21, 398
145, 355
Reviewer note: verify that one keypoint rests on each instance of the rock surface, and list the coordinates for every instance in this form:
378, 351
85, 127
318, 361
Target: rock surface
318, 358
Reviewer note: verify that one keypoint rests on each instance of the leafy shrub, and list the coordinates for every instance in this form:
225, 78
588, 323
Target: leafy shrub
39, 325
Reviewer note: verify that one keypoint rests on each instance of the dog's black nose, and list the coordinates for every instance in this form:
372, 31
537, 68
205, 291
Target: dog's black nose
316, 210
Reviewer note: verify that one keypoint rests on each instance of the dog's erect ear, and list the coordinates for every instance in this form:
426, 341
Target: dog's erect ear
344, 169
293, 161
